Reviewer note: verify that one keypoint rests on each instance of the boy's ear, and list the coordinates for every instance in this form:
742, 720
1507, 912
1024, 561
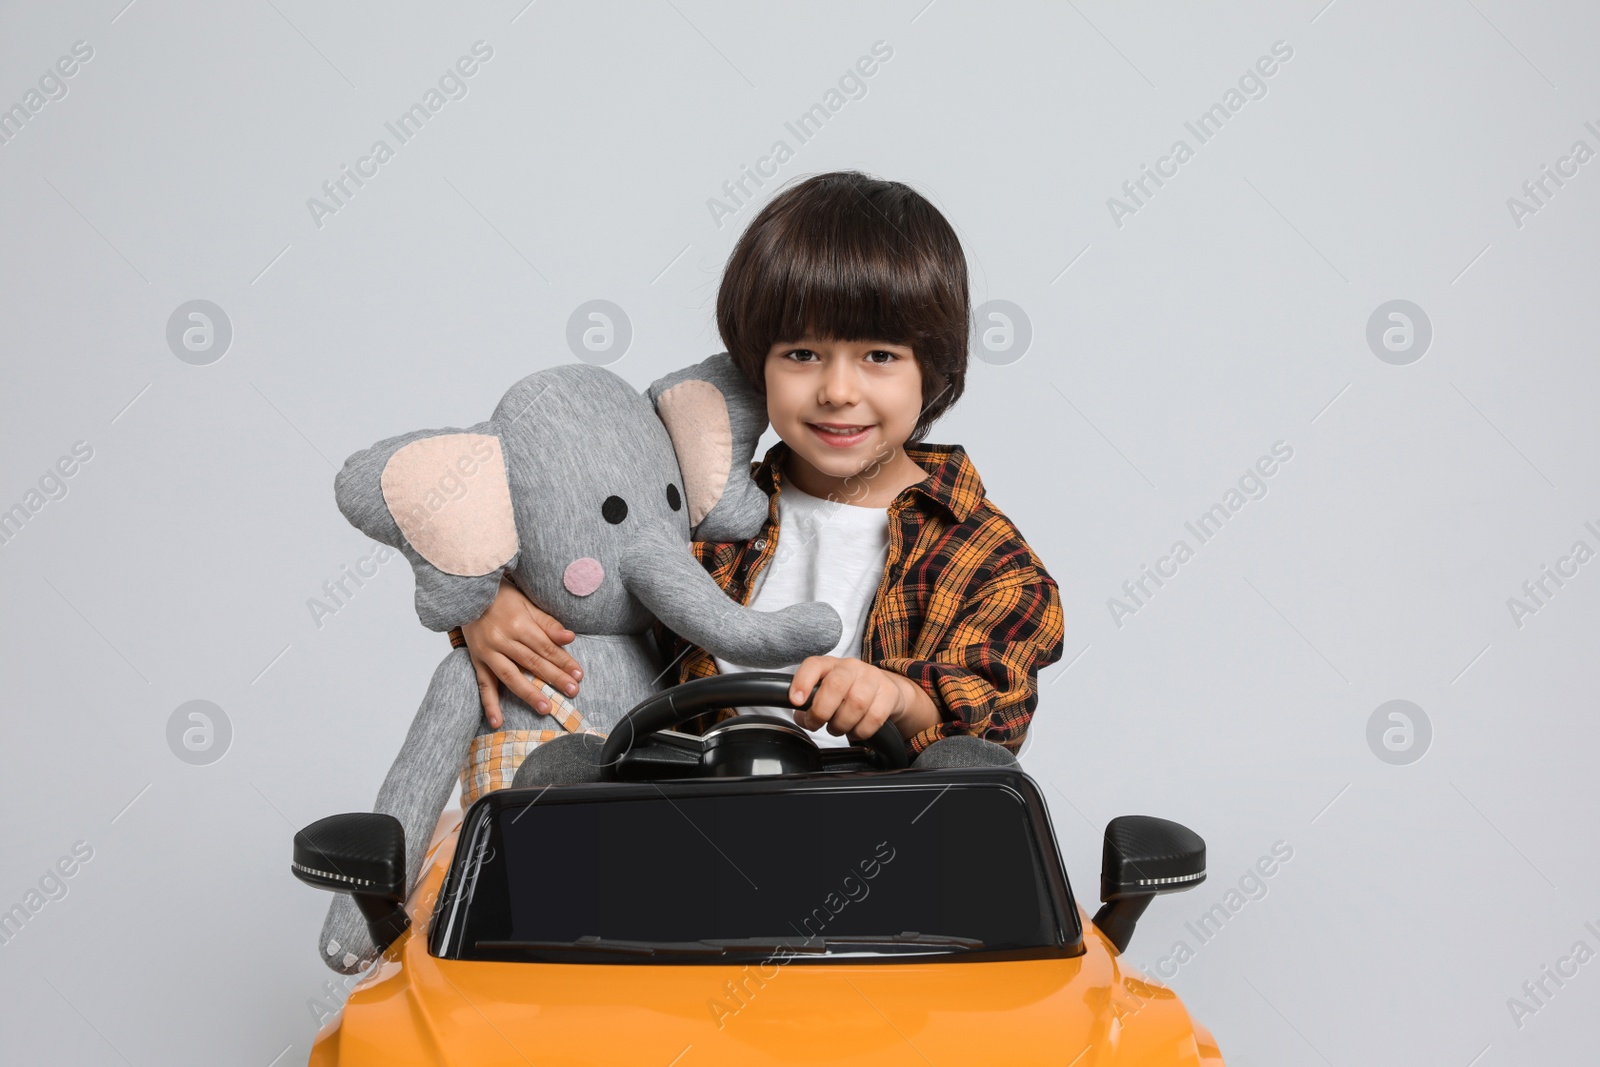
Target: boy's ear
715, 420
443, 499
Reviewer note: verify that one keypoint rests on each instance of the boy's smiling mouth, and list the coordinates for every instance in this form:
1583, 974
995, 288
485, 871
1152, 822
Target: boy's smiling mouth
840, 434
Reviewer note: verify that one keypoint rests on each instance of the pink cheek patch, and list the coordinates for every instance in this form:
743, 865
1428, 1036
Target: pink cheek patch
583, 576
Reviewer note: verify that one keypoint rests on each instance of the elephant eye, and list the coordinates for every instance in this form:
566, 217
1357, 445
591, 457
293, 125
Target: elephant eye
674, 501
614, 510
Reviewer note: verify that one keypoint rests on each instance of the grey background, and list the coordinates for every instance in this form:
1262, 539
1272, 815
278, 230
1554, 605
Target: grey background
1229, 313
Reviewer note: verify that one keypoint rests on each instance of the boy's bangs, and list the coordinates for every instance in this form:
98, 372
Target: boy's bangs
853, 294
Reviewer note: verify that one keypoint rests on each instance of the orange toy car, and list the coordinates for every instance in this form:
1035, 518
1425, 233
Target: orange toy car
744, 897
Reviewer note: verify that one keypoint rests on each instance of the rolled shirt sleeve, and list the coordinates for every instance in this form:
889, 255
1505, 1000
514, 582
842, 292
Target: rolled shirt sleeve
984, 674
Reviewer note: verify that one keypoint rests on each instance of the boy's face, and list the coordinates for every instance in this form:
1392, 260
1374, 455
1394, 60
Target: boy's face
843, 405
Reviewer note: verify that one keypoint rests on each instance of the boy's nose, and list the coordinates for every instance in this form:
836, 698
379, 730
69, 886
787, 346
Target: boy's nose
839, 385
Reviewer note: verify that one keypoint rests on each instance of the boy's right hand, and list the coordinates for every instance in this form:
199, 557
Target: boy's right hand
513, 636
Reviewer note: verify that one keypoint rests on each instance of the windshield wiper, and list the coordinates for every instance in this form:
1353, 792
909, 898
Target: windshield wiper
718, 946
594, 942
770, 944
905, 937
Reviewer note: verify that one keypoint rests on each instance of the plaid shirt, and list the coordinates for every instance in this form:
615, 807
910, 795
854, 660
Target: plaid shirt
964, 608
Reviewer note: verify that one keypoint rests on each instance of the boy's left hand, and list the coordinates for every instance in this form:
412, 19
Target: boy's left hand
854, 697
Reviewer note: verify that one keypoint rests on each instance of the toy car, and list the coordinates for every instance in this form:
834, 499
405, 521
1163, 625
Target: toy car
746, 897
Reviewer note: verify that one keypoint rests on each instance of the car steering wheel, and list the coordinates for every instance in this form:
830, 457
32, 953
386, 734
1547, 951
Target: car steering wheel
781, 742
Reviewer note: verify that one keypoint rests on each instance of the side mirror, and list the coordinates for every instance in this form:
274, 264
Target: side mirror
363, 854
1144, 856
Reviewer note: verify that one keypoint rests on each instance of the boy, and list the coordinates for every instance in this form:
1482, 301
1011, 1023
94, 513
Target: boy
948, 614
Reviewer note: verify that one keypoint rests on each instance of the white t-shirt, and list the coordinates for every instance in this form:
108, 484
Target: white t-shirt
828, 551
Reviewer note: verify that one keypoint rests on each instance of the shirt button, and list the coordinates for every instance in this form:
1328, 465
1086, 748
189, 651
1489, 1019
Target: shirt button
759, 543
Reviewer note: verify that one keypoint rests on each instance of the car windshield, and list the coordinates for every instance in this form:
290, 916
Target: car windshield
931, 870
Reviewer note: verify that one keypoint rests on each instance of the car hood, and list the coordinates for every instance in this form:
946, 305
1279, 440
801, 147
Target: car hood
419, 1009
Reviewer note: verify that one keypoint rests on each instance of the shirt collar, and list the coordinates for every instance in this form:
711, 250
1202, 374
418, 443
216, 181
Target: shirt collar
952, 485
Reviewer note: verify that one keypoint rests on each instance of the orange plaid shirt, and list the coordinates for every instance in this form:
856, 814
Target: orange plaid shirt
964, 608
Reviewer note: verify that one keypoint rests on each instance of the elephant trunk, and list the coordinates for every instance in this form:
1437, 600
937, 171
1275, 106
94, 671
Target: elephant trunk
663, 574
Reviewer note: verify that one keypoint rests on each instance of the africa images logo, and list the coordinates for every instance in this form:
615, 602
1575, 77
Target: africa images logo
852, 85
52, 86
452, 85
1252, 85
1252, 485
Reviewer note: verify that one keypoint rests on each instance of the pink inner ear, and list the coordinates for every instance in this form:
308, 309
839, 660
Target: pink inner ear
696, 417
450, 498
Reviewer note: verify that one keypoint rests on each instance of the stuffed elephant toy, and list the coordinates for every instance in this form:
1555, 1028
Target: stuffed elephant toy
586, 495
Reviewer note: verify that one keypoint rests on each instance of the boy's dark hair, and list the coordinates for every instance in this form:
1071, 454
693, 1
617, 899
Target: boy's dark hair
843, 256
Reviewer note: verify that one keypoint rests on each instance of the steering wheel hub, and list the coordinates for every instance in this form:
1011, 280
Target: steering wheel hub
756, 743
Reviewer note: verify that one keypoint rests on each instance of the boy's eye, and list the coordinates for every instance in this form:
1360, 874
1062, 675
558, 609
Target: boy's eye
805, 355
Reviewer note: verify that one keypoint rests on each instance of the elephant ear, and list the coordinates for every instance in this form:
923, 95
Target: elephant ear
443, 499
715, 420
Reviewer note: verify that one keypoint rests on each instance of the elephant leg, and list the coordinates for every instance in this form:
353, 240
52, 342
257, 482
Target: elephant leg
415, 792
564, 761
963, 750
